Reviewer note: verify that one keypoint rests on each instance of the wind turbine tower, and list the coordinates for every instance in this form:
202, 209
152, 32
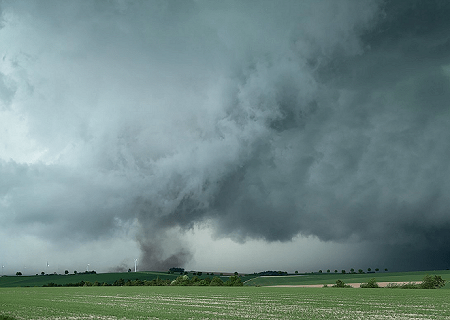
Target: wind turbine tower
135, 265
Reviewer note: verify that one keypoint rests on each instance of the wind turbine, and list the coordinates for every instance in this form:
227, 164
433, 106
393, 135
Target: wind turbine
87, 268
2, 269
135, 265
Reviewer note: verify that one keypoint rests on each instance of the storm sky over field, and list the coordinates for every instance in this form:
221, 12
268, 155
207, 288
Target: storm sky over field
224, 135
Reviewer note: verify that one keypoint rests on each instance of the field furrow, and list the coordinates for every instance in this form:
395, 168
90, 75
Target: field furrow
223, 303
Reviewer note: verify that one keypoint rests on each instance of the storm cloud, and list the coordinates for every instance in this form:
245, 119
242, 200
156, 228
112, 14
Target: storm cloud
259, 120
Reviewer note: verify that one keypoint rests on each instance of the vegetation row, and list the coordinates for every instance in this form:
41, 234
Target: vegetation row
183, 280
428, 282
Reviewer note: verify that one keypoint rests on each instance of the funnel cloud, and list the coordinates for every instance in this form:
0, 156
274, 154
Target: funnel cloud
126, 126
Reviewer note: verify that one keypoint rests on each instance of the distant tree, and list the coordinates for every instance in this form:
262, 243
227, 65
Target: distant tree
66, 272
119, 282
335, 271
42, 273
343, 271
235, 273
320, 271
328, 271
18, 273
177, 269
195, 279
352, 270
234, 281
129, 270
341, 284
368, 269
216, 281
75, 272
360, 271
430, 282
296, 271
377, 269
370, 284
385, 269
205, 282
181, 281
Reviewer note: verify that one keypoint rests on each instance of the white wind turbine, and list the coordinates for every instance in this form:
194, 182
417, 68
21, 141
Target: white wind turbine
135, 265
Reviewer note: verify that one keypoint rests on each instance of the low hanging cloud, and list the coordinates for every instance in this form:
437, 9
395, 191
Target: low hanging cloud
259, 120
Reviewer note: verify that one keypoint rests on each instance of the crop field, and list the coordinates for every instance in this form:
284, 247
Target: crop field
330, 278
249, 280
39, 281
222, 303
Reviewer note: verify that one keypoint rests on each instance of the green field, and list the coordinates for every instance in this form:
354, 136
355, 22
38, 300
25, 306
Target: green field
40, 280
251, 280
330, 278
222, 303
109, 278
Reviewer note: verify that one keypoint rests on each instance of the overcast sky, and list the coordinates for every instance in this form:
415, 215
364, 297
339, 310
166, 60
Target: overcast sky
224, 135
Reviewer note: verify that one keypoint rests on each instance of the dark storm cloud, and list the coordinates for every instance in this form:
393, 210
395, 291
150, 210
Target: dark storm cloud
262, 120
364, 156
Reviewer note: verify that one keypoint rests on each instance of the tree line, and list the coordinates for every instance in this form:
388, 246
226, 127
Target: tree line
352, 270
183, 280
428, 282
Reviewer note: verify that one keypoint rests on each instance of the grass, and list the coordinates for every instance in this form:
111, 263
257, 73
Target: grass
330, 278
40, 280
222, 303
251, 280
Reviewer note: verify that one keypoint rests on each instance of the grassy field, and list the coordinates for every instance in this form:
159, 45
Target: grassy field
330, 278
251, 280
40, 280
223, 303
